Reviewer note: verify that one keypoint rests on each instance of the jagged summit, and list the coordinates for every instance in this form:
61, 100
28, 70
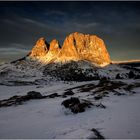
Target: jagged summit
80, 58
40, 49
76, 46
84, 47
54, 47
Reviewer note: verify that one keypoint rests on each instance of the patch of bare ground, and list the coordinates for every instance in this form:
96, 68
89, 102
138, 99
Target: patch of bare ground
106, 86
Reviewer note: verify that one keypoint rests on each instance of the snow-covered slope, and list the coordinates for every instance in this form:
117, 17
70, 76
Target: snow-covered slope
110, 90
36, 73
20, 71
47, 118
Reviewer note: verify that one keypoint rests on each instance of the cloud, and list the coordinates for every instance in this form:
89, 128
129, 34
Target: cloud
34, 22
88, 25
10, 54
12, 51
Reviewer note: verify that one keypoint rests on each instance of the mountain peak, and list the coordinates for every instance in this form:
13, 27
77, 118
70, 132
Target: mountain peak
40, 48
53, 52
80, 46
54, 45
76, 46
40, 42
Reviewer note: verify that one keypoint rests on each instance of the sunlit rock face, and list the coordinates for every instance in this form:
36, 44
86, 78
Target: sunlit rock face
53, 52
69, 50
54, 47
40, 49
76, 46
80, 46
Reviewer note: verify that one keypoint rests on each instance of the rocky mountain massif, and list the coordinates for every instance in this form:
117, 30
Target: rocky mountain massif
76, 47
81, 58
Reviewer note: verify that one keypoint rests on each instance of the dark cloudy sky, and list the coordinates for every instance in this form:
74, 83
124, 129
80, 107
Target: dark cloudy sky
22, 23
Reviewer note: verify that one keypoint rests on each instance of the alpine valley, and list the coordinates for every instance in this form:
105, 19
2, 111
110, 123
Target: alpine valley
70, 91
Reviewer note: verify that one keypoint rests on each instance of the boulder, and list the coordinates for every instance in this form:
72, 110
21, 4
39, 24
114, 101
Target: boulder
76, 105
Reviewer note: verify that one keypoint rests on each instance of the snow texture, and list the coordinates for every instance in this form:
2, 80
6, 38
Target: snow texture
47, 118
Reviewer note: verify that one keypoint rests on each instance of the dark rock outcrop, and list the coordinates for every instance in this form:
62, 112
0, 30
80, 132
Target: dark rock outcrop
97, 134
76, 105
18, 99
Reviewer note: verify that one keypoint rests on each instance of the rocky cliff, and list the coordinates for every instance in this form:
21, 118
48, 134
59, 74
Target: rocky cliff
76, 46
40, 49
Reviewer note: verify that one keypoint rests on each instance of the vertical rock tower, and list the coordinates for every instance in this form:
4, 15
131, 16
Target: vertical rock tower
76, 46
40, 49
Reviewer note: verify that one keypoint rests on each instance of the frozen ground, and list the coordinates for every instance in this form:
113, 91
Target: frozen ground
47, 118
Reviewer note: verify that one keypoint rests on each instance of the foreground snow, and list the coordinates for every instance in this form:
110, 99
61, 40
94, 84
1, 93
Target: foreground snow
47, 118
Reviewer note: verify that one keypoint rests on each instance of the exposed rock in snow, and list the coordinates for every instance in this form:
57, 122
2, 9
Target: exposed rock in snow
18, 100
76, 105
48, 119
27, 72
